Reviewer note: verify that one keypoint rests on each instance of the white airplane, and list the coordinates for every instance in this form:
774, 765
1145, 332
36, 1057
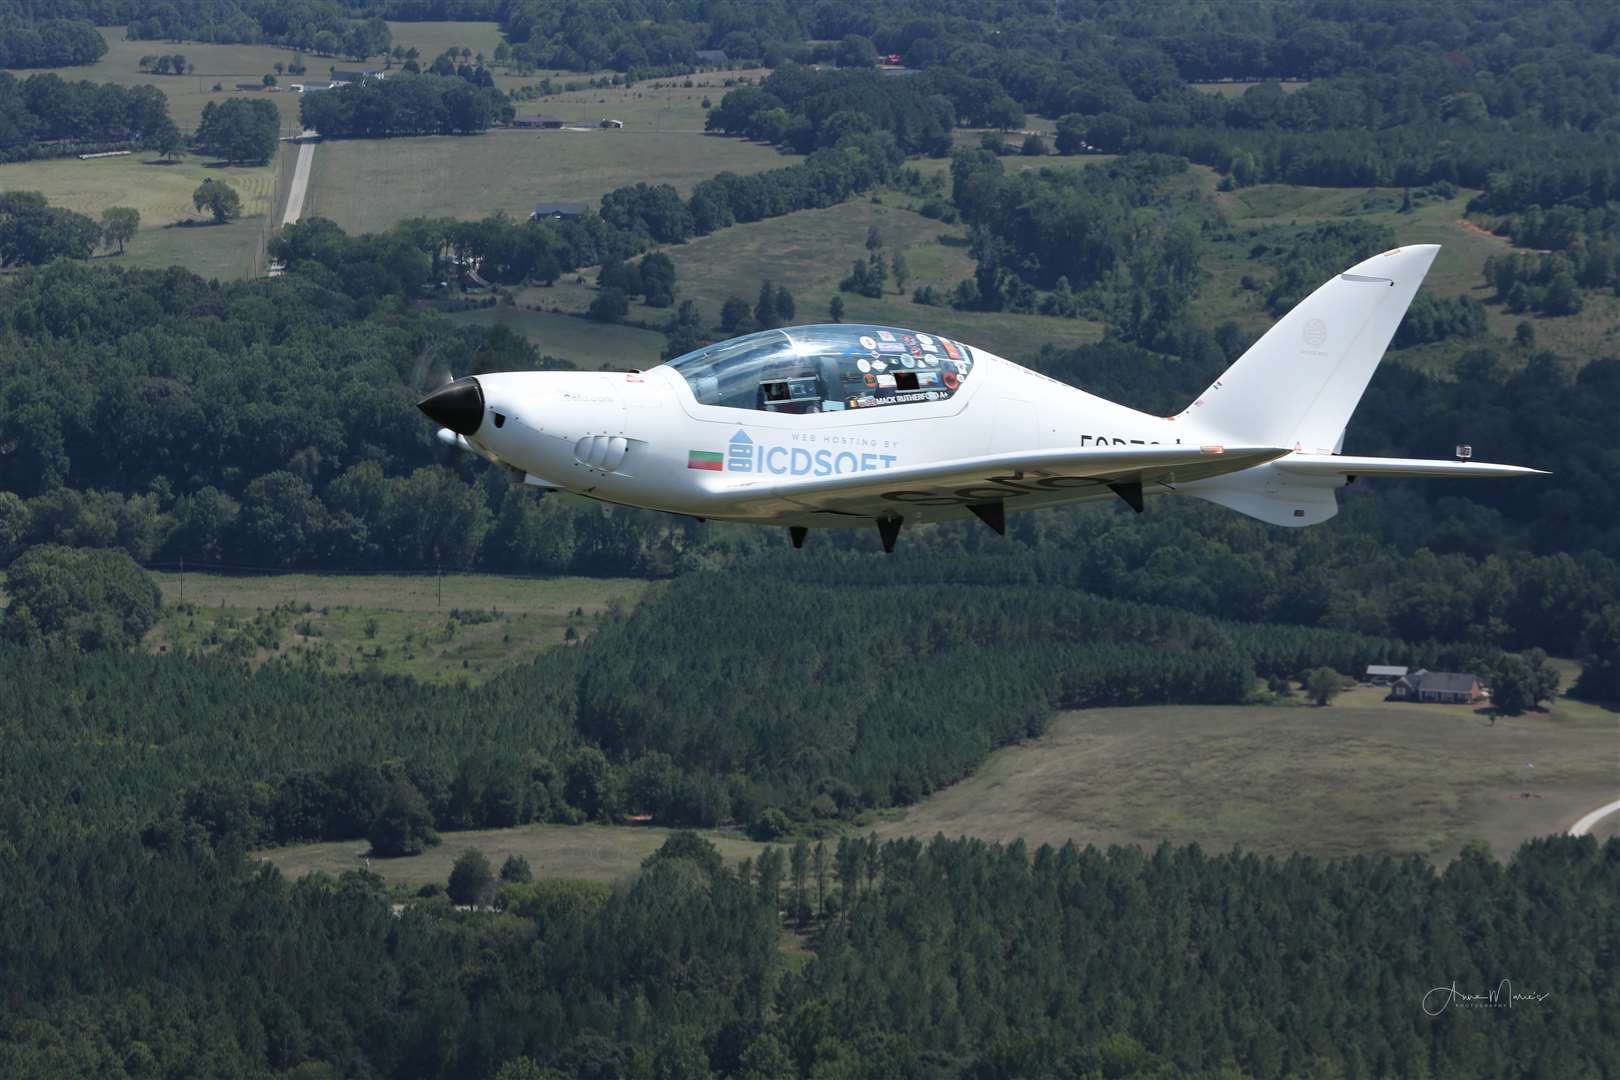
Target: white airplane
847, 425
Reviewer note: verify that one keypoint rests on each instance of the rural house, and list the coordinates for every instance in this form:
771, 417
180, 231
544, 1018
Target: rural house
713, 57
1437, 687
1382, 674
537, 122
554, 210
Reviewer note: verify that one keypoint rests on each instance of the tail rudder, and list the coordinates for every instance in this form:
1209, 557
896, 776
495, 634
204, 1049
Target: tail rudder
1298, 384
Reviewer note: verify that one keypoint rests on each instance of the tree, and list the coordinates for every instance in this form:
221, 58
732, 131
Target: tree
658, 279
219, 199
772, 824
874, 239
786, 309
835, 309
610, 305
269, 79
819, 866
1521, 681
472, 881
169, 143
685, 332
118, 224
897, 266
1563, 295
405, 824
241, 130
1324, 684
1034, 146
733, 314
1108, 132
33, 232
1600, 656
78, 599
765, 313
515, 870
1071, 133
799, 864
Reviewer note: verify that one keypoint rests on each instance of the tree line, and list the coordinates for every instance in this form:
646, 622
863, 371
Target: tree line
47, 116
405, 104
37, 43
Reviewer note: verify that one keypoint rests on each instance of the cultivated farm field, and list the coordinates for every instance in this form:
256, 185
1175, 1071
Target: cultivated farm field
1361, 775
368, 185
387, 623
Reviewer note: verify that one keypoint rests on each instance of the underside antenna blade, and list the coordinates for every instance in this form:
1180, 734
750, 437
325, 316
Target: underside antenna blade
1131, 492
993, 514
798, 533
888, 529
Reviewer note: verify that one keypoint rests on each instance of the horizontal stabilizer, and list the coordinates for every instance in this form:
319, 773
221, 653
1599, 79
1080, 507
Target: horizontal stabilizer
1340, 465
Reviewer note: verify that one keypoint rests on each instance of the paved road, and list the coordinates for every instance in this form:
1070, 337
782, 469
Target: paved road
1584, 826
300, 180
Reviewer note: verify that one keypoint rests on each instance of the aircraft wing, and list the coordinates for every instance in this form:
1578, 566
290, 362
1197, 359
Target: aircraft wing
1045, 475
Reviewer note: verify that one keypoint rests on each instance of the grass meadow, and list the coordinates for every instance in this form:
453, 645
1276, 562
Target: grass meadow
226, 65
172, 229
1458, 270
368, 184
590, 852
391, 623
1361, 775
810, 251
584, 343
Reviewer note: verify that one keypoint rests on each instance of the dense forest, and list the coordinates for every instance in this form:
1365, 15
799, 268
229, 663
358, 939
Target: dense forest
951, 959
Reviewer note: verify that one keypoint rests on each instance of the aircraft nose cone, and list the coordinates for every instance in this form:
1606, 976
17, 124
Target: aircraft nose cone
457, 405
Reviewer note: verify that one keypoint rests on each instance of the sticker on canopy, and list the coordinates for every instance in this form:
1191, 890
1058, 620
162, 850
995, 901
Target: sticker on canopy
866, 342
950, 350
885, 335
864, 364
880, 365
925, 341
908, 361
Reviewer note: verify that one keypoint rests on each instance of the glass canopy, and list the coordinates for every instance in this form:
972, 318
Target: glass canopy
826, 368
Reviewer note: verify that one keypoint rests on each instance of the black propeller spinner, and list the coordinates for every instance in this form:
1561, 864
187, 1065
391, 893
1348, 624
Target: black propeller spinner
457, 405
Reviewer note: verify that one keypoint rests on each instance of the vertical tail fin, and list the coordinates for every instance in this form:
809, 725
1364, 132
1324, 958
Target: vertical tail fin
1298, 385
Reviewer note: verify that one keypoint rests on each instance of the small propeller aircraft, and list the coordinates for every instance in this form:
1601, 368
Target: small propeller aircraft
849, 425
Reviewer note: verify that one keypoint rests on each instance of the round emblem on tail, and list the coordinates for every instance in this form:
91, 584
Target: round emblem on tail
1315, 333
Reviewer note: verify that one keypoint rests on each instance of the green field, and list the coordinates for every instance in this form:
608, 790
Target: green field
432, 38
584, 343
391, 623
592, 852
510, 170
810, 251
1362, 775
210, 64
172, 229
659, 105
1458, 270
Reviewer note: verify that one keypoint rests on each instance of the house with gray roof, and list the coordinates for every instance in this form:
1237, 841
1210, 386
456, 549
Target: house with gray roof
1437, 687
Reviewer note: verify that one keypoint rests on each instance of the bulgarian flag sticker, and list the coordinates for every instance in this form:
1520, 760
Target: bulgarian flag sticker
705, 459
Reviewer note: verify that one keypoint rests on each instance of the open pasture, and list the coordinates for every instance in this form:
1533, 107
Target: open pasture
810, 251
510, 170
172, 229
463, 627
1361, 775
582, 342
591, 852
226, 65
